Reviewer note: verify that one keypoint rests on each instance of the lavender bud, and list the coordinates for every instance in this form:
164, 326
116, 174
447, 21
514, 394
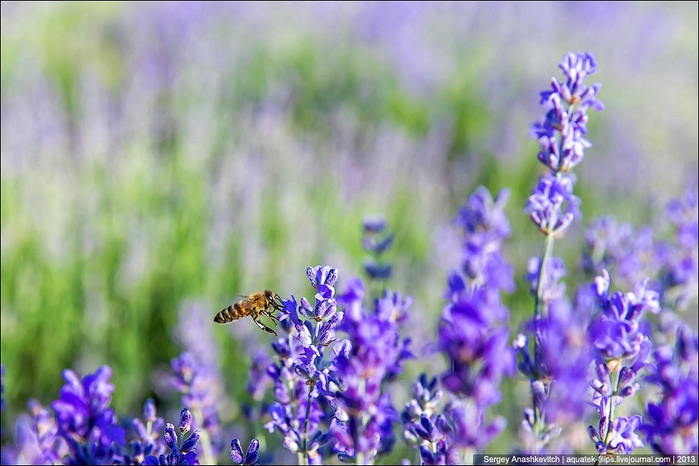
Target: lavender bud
185, 421
236, 451
149, 411
170, 437
191, 441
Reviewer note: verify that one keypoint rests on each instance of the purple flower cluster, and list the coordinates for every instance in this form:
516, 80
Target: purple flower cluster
473, 333
372, 356
628, 255
198, 378
621, 350
484, 226
147, 441
552, 205
198, 385
302, 372
84, 418
36, 438
671, 423
182, 446
425, 427
680, 277
558, 371
376, 240
474, 337
558, 362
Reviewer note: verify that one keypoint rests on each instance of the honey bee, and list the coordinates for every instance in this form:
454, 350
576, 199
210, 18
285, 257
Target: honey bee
255, 306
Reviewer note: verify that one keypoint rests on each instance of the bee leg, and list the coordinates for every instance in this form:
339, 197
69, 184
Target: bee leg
265, 328
277, 303
274, 318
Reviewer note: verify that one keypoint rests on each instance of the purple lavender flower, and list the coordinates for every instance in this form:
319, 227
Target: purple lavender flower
472, 333
199, 387
485, 226
552, 205
621, 351
567, 104
36, 438
426, 397
182, 446
558, 364
197, 377
251, 457
615, 332
559, 371
680, 277
671, 423
372, 355
555, 270
376, 241
302, 375
148, 441
629, 255
85, 420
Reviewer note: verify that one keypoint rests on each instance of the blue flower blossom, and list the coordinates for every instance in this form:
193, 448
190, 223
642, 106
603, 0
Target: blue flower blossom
182, 446
372, 355
303, 371
376, 241
85, 420
621, 351
251, 457
671, 423
36, 438
472, 331
148, 439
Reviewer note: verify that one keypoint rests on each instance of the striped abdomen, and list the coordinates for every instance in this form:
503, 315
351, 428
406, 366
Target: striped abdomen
233, 312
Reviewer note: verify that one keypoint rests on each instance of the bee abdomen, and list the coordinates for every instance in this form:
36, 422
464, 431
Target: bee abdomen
229, 314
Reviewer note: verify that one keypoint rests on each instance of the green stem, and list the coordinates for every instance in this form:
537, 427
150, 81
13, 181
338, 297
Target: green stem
610, 415
538, 313
548, 252
204, 440
304, 440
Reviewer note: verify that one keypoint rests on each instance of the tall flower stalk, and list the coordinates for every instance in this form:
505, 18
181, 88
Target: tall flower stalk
301, 373
552, 207
366, 363
621, 349
473, 331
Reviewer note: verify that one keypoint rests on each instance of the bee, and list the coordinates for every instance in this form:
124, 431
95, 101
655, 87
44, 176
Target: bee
255, 306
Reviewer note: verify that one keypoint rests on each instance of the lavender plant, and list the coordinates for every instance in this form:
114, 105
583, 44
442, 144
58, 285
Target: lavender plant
376, 241
303, 369
182, 446
552, 207
197, 385
671, 423
621, 350
473, 331
147, 440
366, 362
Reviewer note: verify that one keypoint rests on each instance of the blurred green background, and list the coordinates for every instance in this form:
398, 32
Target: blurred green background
159, 154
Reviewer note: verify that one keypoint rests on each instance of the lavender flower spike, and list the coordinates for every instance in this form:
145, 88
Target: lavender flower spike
84, 418
181, 446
